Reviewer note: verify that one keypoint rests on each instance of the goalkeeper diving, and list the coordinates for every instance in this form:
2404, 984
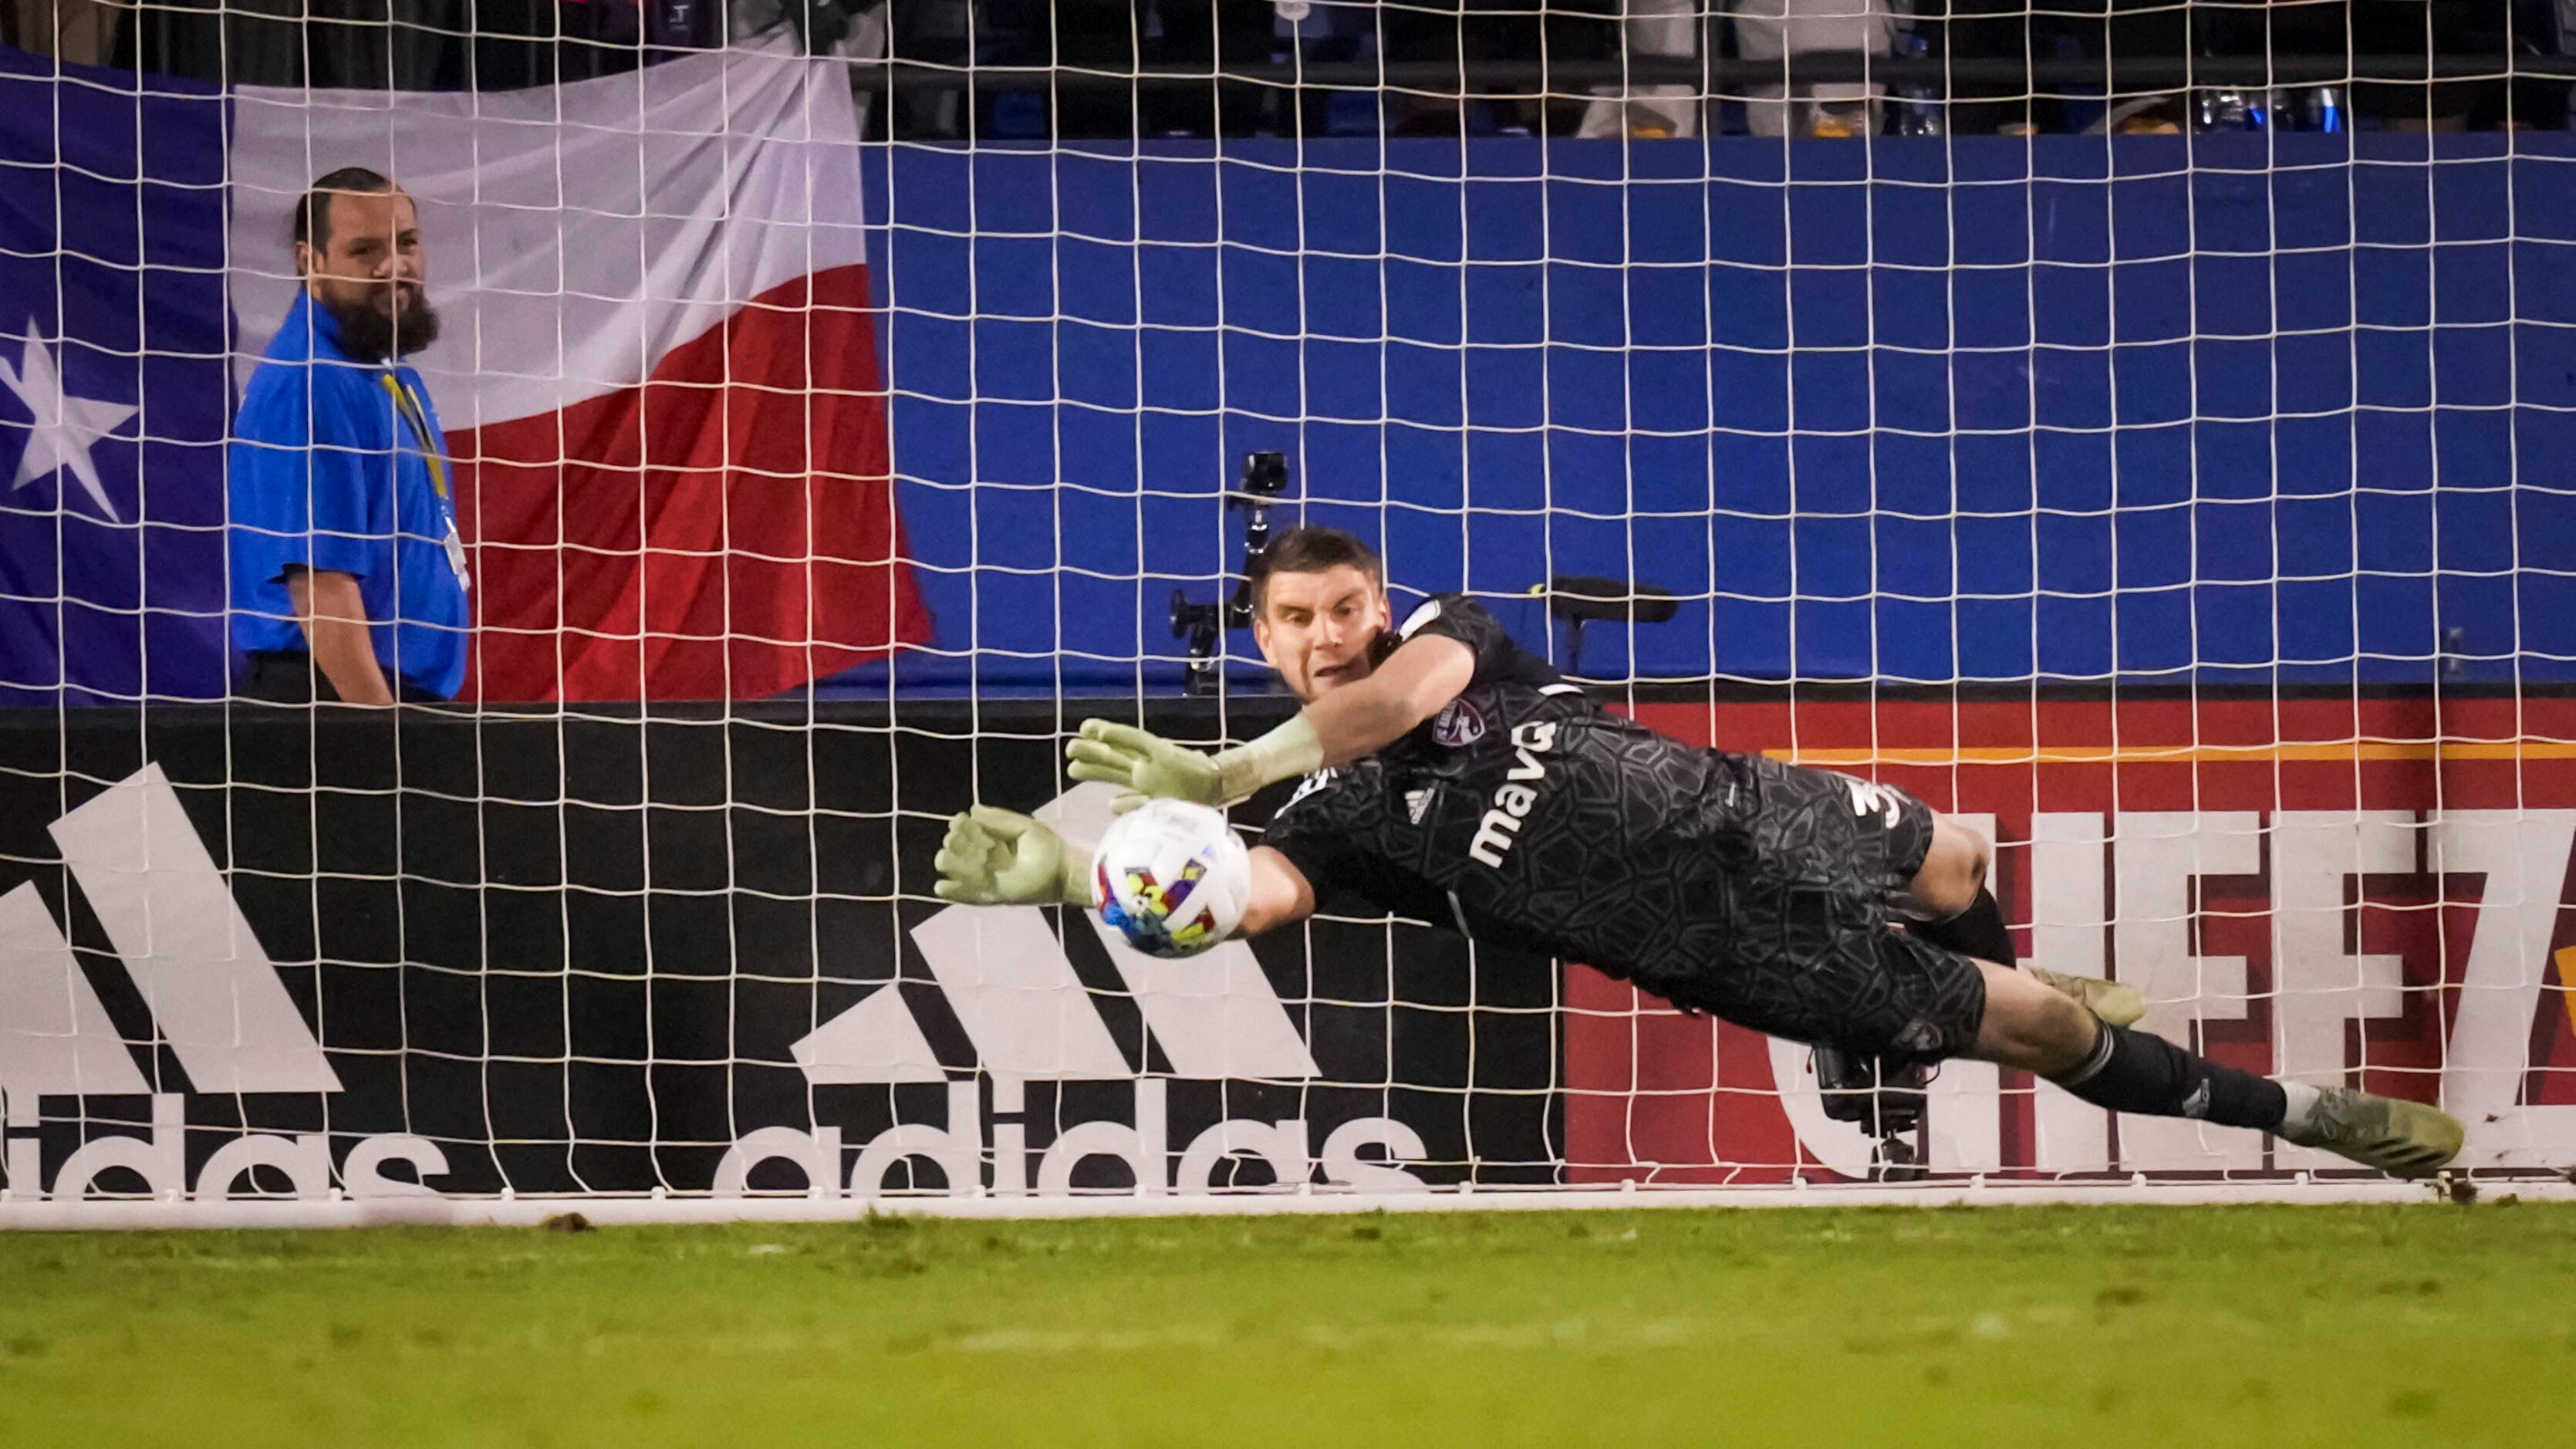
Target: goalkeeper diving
1454, 777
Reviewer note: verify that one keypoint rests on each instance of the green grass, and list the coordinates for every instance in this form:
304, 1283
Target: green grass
2008, 1327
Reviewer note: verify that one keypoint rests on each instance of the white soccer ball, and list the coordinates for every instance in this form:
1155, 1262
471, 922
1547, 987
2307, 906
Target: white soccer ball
1173, 878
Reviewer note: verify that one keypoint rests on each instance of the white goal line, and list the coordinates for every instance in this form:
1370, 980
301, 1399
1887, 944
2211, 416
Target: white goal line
637, 1210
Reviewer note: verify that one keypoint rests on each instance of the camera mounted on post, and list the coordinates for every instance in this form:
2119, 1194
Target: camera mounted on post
1265, 480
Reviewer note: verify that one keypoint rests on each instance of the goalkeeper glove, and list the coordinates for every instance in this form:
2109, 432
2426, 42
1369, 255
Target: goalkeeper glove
1153, 768
1002, 858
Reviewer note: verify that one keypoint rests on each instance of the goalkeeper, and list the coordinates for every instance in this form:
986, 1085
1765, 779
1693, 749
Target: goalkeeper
1454, 777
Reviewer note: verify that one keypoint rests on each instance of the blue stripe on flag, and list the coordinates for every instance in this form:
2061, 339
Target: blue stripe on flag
114, 385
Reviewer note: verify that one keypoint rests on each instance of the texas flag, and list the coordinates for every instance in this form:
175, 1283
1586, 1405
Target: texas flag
656, 366
113, 390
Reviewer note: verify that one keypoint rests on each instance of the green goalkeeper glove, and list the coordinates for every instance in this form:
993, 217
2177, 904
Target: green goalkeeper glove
1149, 766
1002, 858
1153, 768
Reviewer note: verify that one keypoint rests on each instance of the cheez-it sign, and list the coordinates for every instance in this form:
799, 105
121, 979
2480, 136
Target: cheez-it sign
2369, 891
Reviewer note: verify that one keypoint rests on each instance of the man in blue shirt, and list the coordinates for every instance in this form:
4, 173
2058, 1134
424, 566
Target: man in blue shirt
348, 577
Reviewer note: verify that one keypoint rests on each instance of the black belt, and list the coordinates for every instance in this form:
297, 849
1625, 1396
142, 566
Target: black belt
289, 676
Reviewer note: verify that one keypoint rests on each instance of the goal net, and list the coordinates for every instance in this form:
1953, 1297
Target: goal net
2152, 455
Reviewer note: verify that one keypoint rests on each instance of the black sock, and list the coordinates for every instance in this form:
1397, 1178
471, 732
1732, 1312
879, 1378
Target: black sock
1978, 931
2137, 1071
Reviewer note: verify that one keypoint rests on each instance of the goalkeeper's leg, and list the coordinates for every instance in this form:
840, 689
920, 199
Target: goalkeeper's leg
1944, 986
1953, 907
2031, 1026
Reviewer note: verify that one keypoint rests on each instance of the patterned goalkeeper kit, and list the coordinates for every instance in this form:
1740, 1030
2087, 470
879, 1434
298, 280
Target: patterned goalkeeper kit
1523, 815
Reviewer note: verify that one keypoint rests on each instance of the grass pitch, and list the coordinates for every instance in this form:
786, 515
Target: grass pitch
2421, 1325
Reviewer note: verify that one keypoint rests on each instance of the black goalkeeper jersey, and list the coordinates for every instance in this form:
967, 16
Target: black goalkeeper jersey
1524, 815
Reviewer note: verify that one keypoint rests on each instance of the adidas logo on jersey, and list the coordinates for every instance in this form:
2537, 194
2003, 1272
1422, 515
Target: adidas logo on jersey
1501, 826
1030, 1018
216, 1001
1417, 803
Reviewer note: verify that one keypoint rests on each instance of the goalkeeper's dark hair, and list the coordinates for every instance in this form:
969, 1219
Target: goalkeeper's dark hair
311, 224
1311, 550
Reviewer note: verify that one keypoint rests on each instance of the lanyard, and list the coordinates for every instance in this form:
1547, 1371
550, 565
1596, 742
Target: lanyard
418, 420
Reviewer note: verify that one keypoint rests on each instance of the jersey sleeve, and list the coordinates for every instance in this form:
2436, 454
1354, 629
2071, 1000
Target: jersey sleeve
301, 501
1314, 832
1455, 616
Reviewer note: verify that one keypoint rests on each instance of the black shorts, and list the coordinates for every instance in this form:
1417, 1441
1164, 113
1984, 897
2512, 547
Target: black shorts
1818, 952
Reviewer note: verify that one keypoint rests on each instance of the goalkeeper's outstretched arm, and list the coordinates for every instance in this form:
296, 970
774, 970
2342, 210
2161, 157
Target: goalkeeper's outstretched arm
1416, 682
1281, 894
1359, 718
1003, 858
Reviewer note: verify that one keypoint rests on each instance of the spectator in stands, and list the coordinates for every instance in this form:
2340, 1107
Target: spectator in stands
2006, 34
82, 32
1516, 39
2491, 34
1098, 42
1650, 30
1215, 36
1775, 29
348, 576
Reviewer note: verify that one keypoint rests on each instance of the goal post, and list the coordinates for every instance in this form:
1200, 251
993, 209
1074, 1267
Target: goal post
829, 435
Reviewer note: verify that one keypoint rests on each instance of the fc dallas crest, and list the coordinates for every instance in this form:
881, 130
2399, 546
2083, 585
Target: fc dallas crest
1458, 725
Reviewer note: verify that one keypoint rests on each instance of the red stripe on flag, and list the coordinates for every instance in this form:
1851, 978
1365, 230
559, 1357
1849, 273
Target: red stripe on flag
727, 529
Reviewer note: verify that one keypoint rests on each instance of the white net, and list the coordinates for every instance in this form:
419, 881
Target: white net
2145, 459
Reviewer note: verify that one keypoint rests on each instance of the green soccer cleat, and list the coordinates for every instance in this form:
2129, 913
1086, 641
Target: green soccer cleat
2400, 1138
2109, 1000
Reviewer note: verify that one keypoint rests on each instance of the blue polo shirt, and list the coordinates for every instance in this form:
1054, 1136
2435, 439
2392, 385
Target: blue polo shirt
339, 464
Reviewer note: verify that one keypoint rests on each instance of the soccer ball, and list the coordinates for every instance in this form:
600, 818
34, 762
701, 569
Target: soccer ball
1173, 878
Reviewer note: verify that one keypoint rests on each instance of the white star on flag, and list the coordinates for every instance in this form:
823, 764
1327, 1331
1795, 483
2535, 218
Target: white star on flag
66, 427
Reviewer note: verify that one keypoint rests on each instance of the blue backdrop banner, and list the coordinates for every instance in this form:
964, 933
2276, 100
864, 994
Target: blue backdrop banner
2218, 409
2226, 408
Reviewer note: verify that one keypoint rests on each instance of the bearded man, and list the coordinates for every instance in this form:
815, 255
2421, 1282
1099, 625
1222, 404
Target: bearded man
348, 575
